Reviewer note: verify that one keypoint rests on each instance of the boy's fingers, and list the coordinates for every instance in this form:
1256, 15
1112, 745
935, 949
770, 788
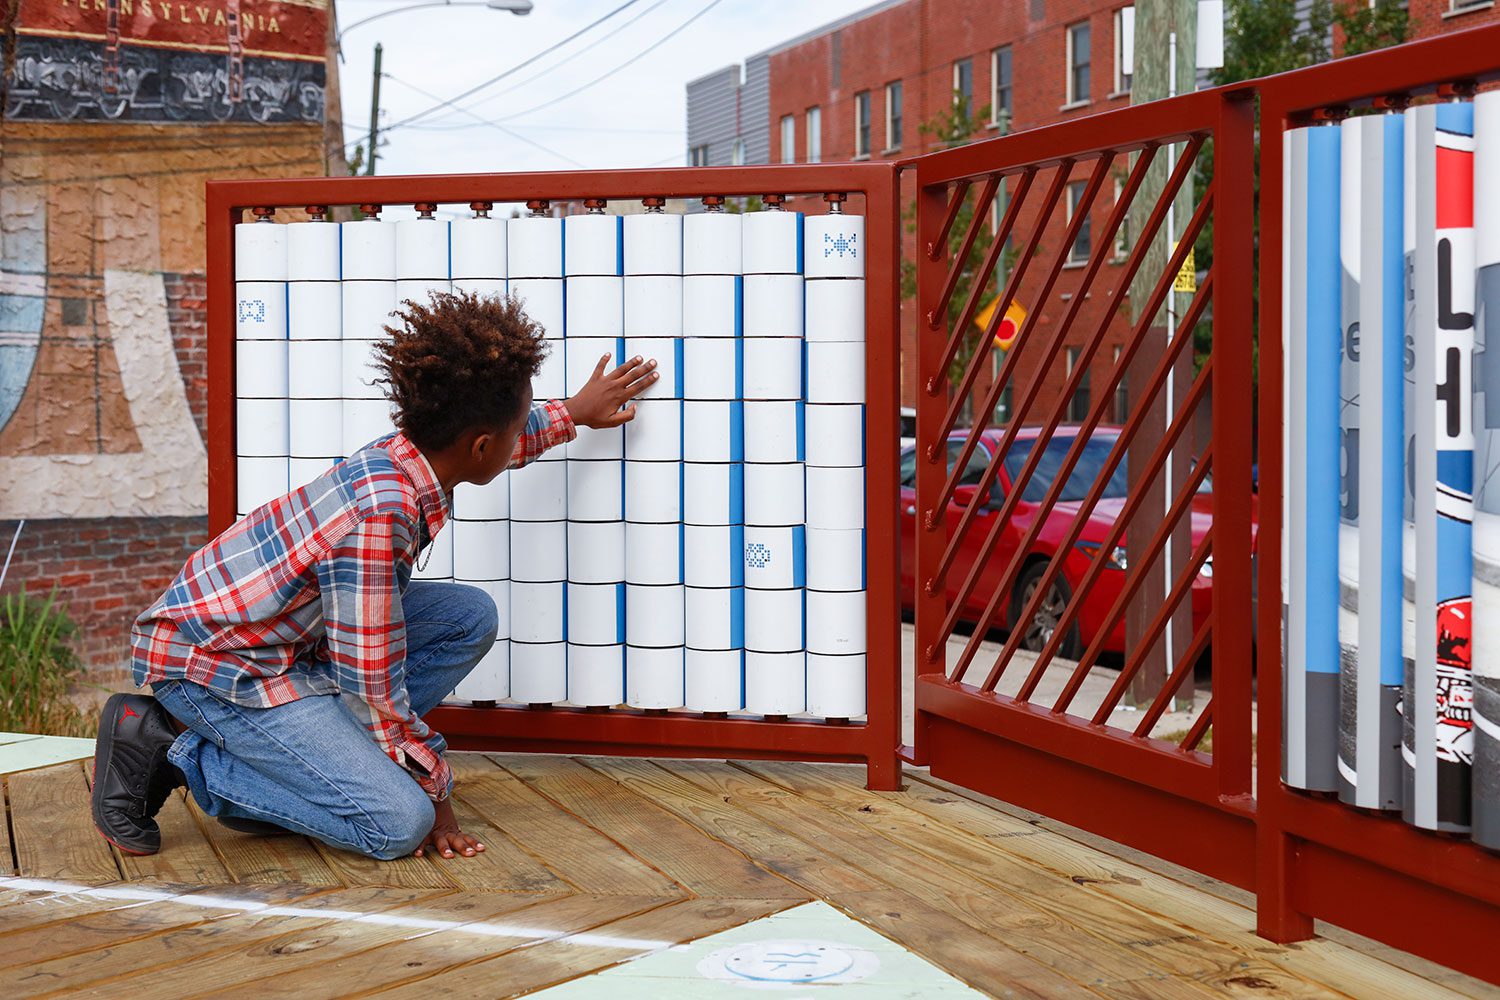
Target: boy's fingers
620, 417
641, 384
625, 369
599, 368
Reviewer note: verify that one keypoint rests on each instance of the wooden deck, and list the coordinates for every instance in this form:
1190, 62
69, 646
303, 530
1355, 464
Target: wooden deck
592, 862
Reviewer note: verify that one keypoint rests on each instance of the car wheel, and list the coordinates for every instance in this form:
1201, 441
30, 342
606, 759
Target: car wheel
1038, 631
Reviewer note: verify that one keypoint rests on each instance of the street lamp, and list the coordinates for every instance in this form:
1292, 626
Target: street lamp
516, 7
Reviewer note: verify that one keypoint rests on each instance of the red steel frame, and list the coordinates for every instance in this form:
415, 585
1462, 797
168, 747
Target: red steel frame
875, 742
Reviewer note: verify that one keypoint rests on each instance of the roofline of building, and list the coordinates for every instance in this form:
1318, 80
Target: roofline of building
713, 73
848, 19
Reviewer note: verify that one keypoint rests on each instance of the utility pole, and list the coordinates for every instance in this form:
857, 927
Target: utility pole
374, 116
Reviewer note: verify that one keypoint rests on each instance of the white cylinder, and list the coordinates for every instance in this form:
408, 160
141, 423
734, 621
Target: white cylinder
774, 621
315, 309
542, 301
538, 672
714, 679
835, 559
367, 307
593, 443
596, 675
260, 310
260, 368
536, 612
596, 551
773, 305
499, 591
364, 421
477, 249
421, 249
772, 242
358, 366
489, 502
713, 555
368, 250
774, 494
595, 307
539, 551
834, 246
259, 480
713, 493
835, 310
653, 243
259, 251
655, 435
539, 492
775, 558
315, 369
653, 677
712, 368
485, 288
711, 305
653, 306
653, 492
435, 562
835, 497
712, 431
654, 615
835, 373
591, 244
667, 353
312, 251
715, 617
481, 550
315, 428
773, 368
535, 248
550, 381
304, 471
261, 428
775, 683
834, 434
836, 685
653, 554
596, 491
835, 621
596, 613
711, 243
420, 290
584, 354
773, 431
490, 678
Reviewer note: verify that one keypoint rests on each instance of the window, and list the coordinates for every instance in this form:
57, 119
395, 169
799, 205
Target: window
788, 139
893, 115
1000, 88
1078, 63
1078, 403
1122, 235
814, 134
700, 155
963, 83
1122, 78
1095, 454
1122, 400
862, 123
1078, 253
909, 468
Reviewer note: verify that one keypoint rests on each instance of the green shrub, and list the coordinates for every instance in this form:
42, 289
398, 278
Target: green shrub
38, 668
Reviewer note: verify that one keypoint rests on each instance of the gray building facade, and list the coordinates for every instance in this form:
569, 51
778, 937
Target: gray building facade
729, 115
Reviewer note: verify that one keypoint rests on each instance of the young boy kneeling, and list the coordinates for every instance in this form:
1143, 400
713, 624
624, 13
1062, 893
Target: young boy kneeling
293, 657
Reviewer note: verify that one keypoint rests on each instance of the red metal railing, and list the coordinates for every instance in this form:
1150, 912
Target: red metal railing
872, 188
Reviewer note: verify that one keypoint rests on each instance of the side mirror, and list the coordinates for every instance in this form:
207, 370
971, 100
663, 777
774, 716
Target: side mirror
964, 496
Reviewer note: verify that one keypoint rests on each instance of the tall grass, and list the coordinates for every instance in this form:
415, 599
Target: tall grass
38, 668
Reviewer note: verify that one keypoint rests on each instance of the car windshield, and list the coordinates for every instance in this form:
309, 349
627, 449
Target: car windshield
1090, 464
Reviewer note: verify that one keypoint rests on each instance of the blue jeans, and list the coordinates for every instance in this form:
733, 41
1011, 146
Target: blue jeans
309, 765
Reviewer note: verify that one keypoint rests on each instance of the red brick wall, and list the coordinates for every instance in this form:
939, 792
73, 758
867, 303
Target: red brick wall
1425, 18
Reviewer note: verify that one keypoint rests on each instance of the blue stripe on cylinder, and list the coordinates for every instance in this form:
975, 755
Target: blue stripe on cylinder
681, 555
801, 431
737, 619
799, 557
677, 366
619, 244
739, 368
863, 561
619, 612
565, 617
736, 494
800, 219
739, 307
736, 555
1392, 430
736, 431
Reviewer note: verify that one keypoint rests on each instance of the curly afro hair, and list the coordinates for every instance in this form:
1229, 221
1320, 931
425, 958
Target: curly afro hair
459, 362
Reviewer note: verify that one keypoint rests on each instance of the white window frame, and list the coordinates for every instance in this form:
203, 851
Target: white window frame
995, 116
693, 155
862, 111
788, 138
815, 134
1075, 193
892, 138
1070, 33
1122, 235
737, 157
956, 89
1122, 79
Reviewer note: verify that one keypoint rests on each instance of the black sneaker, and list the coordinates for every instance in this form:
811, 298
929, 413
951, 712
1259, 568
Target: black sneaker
132, 776
258, 827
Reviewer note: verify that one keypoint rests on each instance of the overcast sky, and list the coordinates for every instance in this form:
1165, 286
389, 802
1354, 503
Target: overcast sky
634, 118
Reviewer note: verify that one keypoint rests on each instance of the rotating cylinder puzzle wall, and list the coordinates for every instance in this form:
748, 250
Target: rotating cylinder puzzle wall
710, 554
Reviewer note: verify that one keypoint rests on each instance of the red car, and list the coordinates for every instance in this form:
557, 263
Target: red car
1101, 521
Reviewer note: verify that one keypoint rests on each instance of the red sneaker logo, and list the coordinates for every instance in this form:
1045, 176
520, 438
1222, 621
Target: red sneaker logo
127, 714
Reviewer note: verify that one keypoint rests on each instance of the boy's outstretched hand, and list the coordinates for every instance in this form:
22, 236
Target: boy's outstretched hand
446, 838
598, 404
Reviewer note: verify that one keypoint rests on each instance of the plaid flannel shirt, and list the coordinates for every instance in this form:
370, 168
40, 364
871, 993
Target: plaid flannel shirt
303, 596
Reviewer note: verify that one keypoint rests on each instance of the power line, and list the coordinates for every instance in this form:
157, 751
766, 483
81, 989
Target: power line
510, 132
590, 129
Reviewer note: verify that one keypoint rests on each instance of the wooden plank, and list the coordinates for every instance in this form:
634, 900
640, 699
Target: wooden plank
685, 853
577, 853
523, 970
186, 854
1063, 944
410, 872
429, 955
502, 866
791, 857
52, 830
128, 969
22, 909
7, 856
254, 858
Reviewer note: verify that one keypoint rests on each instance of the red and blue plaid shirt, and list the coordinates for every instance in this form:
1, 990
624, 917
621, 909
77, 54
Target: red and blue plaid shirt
303, 596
